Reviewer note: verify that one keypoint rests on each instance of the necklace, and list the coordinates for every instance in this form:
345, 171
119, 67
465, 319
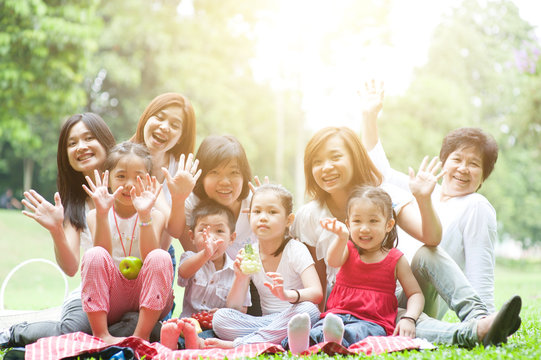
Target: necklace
120, 235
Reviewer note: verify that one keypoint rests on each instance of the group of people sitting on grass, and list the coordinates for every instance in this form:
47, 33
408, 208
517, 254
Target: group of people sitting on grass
258, 271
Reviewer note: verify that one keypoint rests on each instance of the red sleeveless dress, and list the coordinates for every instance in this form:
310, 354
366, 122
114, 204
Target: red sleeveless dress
366, 291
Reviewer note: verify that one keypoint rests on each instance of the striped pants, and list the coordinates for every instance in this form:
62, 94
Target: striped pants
233, 325
104, 288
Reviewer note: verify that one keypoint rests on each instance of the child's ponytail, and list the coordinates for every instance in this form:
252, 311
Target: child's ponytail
391, 239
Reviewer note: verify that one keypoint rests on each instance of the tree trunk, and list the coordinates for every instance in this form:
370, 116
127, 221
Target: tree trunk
28, 170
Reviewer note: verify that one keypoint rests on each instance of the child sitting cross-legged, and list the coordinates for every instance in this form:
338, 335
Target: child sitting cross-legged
207, 274
362, 302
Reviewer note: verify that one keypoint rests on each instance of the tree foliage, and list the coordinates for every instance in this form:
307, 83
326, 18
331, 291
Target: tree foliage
471, 78
44, 49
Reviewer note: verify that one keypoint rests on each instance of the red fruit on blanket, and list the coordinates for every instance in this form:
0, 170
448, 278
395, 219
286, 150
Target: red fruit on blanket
204, 318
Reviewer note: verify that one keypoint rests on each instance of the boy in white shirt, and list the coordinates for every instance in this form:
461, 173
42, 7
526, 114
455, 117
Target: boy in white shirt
207, 274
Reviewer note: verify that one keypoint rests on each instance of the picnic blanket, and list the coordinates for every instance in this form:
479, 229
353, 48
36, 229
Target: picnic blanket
76, 344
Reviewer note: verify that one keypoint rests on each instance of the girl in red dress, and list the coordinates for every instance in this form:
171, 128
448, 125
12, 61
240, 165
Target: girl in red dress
363, 302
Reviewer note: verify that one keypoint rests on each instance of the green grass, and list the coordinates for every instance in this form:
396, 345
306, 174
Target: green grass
39, 286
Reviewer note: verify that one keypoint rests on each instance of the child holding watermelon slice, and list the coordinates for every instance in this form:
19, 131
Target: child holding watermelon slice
206, 274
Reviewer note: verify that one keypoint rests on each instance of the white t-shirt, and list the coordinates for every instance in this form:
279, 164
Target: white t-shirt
207, 288
295, 259
85, 243
85, 237
307, 228
126, 227
469, 230
172, 168
469, 233
242, 227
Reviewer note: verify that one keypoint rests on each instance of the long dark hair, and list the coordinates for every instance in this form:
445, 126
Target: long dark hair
286, 199
383, 201
68, 180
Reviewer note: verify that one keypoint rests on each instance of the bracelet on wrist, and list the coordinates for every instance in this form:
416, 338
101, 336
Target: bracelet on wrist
142, 223
409, 318
298, 297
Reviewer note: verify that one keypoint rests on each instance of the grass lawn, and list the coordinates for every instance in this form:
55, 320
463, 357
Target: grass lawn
39, 286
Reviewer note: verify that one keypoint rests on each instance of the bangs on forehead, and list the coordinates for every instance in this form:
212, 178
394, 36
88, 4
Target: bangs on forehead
472, 147
224, 157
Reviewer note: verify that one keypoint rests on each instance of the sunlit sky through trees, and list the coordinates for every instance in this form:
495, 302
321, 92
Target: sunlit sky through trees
307, 45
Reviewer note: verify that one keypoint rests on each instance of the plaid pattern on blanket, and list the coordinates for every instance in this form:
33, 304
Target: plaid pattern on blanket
58, 347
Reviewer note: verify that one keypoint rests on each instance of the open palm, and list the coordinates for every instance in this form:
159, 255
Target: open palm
422, 184
99, 192
183, 182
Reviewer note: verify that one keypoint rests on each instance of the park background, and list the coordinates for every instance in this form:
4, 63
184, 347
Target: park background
272, 72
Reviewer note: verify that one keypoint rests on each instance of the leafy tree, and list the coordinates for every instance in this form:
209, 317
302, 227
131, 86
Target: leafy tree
44, 48
204, 55
470, 79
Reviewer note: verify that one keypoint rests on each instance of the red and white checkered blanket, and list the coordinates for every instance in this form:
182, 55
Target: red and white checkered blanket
58, 347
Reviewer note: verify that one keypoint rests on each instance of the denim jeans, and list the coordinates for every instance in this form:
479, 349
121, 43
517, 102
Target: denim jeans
355, 330
439, 276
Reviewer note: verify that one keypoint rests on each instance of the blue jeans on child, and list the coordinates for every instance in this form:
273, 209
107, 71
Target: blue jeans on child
355, 330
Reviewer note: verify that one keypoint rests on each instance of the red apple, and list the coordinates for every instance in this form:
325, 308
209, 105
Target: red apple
130, 267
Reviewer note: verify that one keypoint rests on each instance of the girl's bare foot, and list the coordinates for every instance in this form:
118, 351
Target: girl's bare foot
218, 343
170, 332
111, 340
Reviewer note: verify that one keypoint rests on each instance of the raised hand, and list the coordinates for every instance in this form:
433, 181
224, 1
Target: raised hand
257, 183
210, 242
143, 195
372, 98
46, 214
183, 181
237, 262
277, 285
335, 226
253, 188
99, 193
422, 184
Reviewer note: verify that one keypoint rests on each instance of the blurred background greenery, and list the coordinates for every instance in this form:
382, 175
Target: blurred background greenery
271, 72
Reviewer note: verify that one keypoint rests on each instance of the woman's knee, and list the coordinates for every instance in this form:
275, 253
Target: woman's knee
424, 257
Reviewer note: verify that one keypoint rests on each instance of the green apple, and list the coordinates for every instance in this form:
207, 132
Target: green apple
130, 266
